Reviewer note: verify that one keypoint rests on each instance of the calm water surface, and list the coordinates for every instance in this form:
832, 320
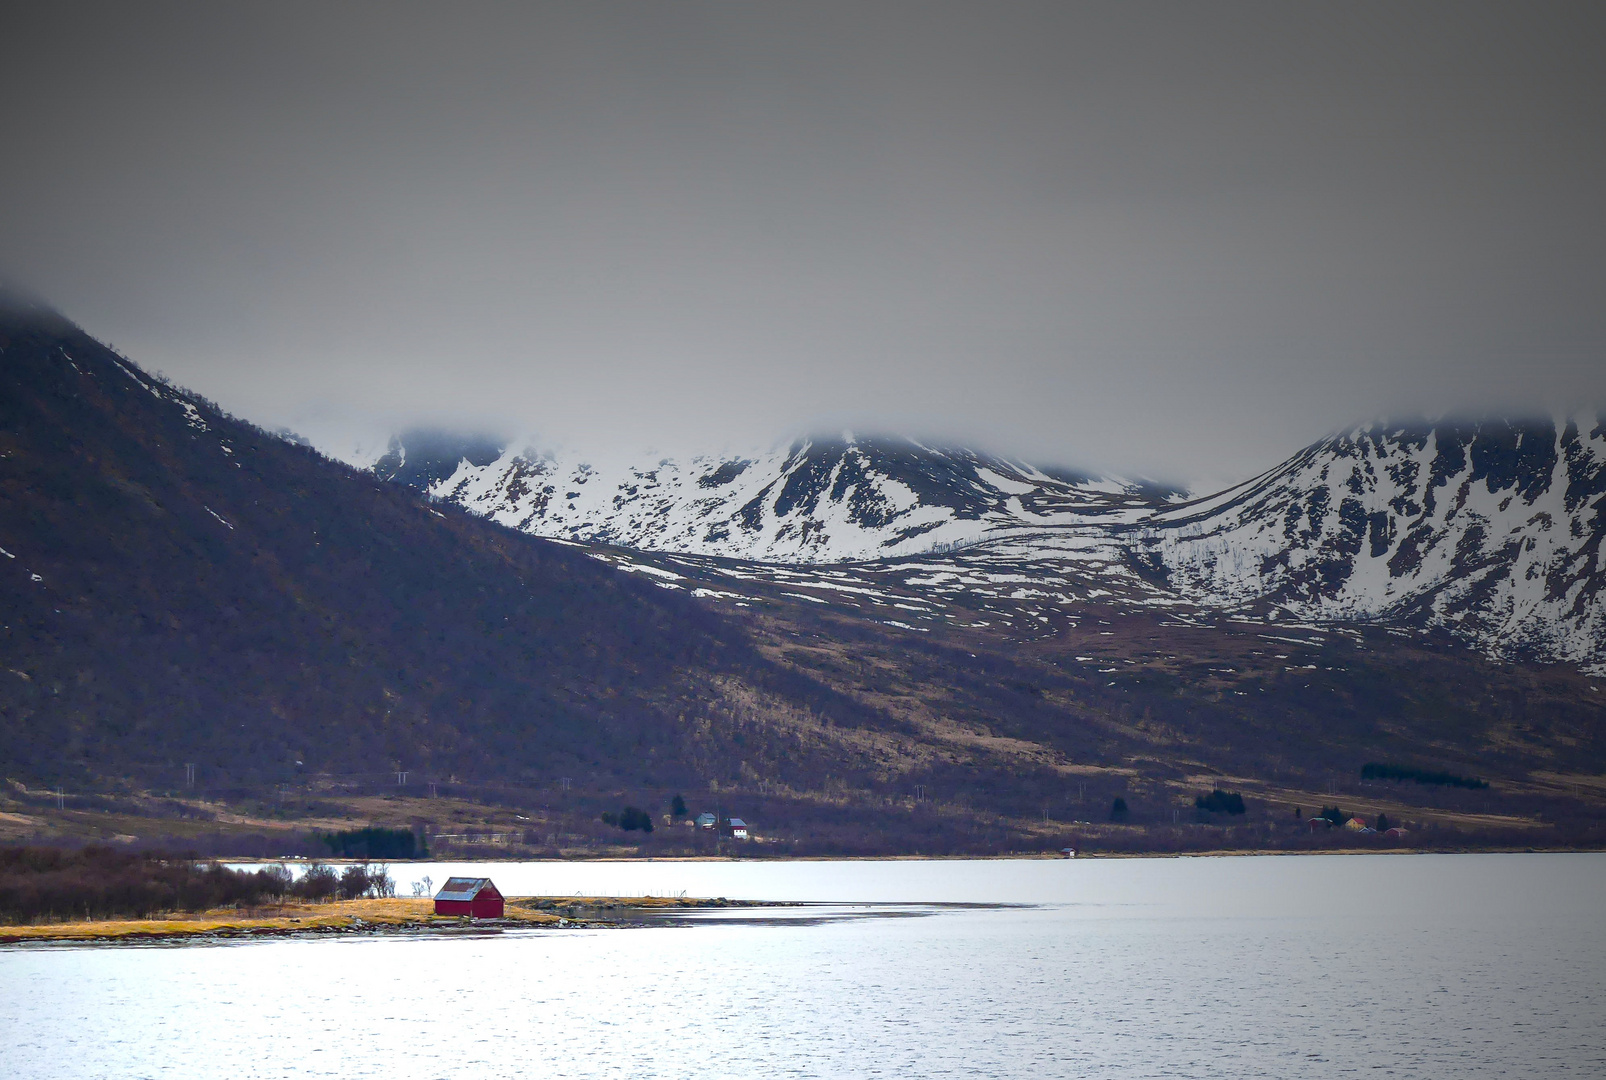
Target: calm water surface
1403, 966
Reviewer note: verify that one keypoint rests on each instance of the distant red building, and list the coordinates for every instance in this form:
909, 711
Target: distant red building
476, 897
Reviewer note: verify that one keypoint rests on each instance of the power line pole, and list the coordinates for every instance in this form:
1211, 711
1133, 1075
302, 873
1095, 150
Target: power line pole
189, 774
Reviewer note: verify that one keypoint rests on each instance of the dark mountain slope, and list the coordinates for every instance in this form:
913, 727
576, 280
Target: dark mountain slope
178, 586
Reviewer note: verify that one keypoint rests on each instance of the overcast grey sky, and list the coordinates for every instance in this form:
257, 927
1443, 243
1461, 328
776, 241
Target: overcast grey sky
1182, 239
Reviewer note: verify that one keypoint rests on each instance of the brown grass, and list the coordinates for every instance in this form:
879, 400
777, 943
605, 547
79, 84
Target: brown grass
278, 918
298, 917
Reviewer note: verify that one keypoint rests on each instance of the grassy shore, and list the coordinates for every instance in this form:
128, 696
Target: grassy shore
354, 916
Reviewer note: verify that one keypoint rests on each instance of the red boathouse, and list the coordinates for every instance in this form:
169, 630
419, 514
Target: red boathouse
472, 896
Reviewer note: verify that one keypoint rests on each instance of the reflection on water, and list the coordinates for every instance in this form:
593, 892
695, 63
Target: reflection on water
799, 915
1431, 966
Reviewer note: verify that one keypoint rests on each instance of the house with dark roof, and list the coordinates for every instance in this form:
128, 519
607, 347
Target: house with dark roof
738, 828
475, 897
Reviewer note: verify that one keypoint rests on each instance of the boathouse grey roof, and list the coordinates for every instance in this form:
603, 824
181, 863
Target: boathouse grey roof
462, 888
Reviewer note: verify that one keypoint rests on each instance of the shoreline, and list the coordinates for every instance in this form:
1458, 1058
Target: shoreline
386, 916
414, 915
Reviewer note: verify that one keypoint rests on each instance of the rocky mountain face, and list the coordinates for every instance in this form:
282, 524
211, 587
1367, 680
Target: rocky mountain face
1490, 530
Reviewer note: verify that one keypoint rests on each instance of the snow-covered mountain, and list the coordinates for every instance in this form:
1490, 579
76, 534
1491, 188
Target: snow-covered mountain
817, 500
1490, 530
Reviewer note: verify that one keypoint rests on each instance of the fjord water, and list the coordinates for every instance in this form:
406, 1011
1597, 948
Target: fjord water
1405, 966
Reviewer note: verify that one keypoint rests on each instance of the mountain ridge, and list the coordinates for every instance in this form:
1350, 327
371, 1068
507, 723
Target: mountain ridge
1489, 529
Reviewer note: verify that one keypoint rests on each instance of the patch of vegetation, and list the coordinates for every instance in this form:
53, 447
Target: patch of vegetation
630, 819
374, 842
1375, 770
101, 882
1118, 810
354, 883
1221, 802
